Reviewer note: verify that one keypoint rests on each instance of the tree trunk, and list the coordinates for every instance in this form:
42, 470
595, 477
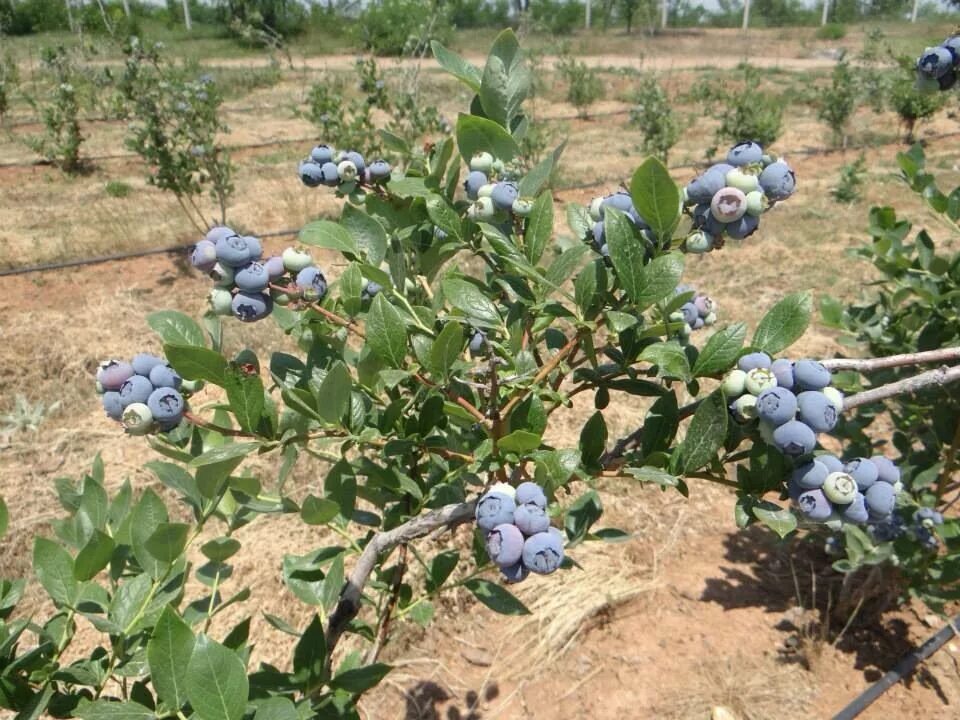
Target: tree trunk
186, 15
826, 11
664, 13
746, 14
913, 15
70, 16
588, 15
126, 7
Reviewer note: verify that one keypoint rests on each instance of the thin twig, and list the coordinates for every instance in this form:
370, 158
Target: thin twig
206, 425
545, 371
938, 377
461, 401
865, 365
384, 625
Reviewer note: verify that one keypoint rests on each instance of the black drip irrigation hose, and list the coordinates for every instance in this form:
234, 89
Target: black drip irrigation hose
907, 665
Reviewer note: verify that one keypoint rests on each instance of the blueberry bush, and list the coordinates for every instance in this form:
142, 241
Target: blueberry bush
427, 374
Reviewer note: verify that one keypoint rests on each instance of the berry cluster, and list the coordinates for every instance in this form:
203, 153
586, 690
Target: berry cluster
145, 395
938, 67
729, 197
924, 521
519, 537
859, 491
247, 288
621, 201
793, 400
345, 170
699, 311
495, 196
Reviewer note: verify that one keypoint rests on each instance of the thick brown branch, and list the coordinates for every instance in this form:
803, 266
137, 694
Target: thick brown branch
939, 377
384, 542
865, 365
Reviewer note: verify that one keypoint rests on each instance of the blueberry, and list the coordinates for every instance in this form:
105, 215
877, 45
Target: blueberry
495, 508
935, 62
595, 209
379, 171
697, 324
744, 408
233, 251
252, 278
703, 188
810, 375
543, 553
810, 475
296, 260
357, 159
312, 283
329, 174
794, 439
515, 573
522, 207
165, 376
710, 319
478, 343
864, 471
734, 383
840, 488
137, 419
745, 181
481, 162
698, 242
754, 360
143, 363
166, 405
254, 245
778, 181
728, 205
619, 200
887, 471
220, 301
503, 195
136, 389
531, 519
371, 290
856, 511
321, 154
599, 235
760, 379
783, 372
505, 545
475, 180
776, 405
689, 311
482, 209
743, 228
486, 190
832, 462
222, 275
251, 306
757, 203
218, 232
703, 219
204, 255
531, 493
814, 504
347, 171
928, 517
274, 267
881, 499
112, 405
947, 80
835, 397
817, 411
745, 153
704, 304
310, 174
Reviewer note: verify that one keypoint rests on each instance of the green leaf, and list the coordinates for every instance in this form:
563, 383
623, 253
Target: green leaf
781, 520
784, 324
477, 134
619, 321
175, 328
310, 653
360, 679
496, 597
197, 363
538, 229
670, 359
245, 393
461, 69
706, 433
54, 569
582, 514
519, 441
386, 332
217, 685
276, 708
446, 349
168, 654
4, 517
658, 279
593, 439
656, 197
660, 425
318, 511
351, 289
648, 474
440, 569
721, 350
368, 234
330, 235
148, 514
333, 397
230, 451
585, 288
111, 710
94, 556
468, 298
505, 81
579, 220
444, 216
167, 542
563, 267
220, 549
627, 253
177, 479
539, 175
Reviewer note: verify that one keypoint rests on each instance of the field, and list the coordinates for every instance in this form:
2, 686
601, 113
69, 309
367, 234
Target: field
686, 615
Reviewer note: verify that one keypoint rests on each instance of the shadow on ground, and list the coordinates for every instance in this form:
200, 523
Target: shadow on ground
425, 697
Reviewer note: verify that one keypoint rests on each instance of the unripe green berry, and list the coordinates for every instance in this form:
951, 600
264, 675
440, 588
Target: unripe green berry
222, 275
710, 319
137, 419
191, 386
497, 167
595, 206
840, 488
100, 389
220, 301
486, 190
698, 242
735, 383
296, 260
760, 379
482, 162
483, 209
745, 407
522, 207
347, 171
745, 181
757, 203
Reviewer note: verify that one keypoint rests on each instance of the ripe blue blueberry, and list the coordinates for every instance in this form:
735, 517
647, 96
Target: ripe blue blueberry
702, 189
531, 493
743, 228
619, 200
251, 306
204, 255
503, 195
310, 174
935, 62
143, 363
165, 376
321, 154
947, 80
233, 251
810, 375
543, 553
515, 573
703, 219
371, 290
357, 160
475, 180
112, 405
135, 389
274, 267
312, 283
495, 508
754, 360
329, 175
697, 324
794, 439
478, 343
218, 232
856, 511
531, 519
817, 411
252, 278
776, 405
166, 405
887, 471
881, 499
928, 517
379, 171
778, 181
814, 504
689, 311
745, 153
254, 245
832, 462
810, 475
704, 304
783, 371
864, 471
505, 545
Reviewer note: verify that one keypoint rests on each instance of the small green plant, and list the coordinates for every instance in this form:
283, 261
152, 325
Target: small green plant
746, 113
910, 104
654, 115
118, 189
402, 27
583, 84
25, 415
831, 31
849, 188
59, 113
9, 79
839, 101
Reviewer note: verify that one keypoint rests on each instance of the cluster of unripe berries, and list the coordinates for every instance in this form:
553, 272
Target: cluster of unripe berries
938, 67
495, 197
344, 170
698, 312
859, 491
925, 520
519, 538
145, 395
246, 286
621, 201
729, 197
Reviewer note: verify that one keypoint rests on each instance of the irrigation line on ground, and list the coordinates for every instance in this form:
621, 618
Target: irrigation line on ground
904, 667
